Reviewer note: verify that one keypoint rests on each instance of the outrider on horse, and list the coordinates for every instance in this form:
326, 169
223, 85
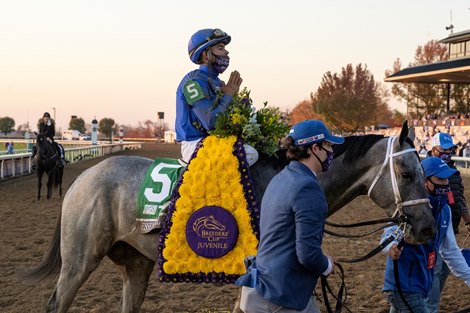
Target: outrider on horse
99, 211
47, 161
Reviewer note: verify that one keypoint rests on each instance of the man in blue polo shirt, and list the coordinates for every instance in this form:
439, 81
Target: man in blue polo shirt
293, 212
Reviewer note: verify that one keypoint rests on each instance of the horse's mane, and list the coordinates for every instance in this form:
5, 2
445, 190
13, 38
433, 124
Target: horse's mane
354, 147
357, 146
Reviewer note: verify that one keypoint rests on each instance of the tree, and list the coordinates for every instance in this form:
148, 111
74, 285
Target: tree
398, 118
422, 99
7, 125
105, 126
77, 124
348, 101
303, 111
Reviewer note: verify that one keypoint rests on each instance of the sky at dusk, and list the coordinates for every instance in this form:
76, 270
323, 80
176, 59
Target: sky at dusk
124, 59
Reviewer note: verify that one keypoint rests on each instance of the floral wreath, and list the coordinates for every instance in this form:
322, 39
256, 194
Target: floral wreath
217, 176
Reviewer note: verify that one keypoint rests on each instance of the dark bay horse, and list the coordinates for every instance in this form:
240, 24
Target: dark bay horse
47, 162
99, 211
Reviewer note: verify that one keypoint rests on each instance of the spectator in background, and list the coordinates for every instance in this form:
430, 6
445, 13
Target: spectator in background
466, 151
423, 150
9, 147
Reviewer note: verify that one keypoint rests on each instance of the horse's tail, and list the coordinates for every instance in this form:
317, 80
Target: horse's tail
50, 265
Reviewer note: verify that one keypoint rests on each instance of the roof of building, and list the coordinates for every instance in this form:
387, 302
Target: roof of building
457, 37
456, 71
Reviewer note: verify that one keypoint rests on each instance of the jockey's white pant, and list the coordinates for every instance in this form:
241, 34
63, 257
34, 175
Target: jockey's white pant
252, 302
188, 147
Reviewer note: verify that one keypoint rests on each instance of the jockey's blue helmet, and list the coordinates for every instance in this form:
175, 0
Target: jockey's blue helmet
203, 39
312, 131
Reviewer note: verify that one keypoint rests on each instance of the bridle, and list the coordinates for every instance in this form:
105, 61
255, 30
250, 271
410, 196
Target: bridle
389, 159
398, 217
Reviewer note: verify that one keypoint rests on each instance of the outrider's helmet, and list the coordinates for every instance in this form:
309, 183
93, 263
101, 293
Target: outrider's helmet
203, 39
46, 115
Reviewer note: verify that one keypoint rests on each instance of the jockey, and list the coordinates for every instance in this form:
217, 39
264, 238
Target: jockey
201, 94
47, 128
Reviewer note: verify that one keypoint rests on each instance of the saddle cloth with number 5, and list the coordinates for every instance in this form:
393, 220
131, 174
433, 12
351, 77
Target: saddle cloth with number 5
155, 193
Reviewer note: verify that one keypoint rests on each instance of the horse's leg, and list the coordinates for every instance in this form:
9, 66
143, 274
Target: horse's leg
39, 173
81, 255
135, 271
50, 181
59, 177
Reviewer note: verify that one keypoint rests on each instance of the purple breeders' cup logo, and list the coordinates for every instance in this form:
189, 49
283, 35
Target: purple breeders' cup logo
211, 232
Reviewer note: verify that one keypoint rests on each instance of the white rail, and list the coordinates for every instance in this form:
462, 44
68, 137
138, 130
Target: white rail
20, 164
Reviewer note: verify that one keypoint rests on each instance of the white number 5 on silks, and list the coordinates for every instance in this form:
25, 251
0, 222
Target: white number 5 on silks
192, 91
162, 178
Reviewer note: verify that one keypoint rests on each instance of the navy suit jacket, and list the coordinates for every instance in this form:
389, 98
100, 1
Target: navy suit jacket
290, 258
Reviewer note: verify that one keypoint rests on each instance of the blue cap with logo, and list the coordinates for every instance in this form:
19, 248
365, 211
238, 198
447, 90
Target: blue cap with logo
312, 131
434, 166
443, 140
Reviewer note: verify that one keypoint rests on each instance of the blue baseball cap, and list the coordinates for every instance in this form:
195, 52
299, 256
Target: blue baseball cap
443, 140
312, 131
434, 166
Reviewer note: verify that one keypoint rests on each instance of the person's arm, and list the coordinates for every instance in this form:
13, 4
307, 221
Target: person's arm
452, 255
457, 189
310, 211
206, 107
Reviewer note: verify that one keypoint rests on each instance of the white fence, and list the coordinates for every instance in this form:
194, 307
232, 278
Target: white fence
19, 164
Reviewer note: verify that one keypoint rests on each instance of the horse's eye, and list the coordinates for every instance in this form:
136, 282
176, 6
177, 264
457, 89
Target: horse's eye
407, 176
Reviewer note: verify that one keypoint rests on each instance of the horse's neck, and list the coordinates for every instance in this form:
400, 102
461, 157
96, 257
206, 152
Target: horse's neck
341, 187
346, 181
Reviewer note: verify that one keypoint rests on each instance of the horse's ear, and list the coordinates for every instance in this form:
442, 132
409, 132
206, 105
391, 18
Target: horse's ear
411, 133
35, 133
404, 132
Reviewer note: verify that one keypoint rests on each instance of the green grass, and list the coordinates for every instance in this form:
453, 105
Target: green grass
16, 146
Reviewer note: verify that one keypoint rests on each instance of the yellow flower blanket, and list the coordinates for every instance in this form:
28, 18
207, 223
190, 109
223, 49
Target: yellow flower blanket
213, 219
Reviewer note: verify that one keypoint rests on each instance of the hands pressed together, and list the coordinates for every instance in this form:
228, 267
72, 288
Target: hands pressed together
233, 84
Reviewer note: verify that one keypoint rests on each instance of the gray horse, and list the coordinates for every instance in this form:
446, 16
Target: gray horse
99, 211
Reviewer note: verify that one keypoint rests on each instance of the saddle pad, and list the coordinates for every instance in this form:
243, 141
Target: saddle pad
155, 193
213, 219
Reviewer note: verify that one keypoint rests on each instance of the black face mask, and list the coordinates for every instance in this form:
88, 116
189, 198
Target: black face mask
325, 165
440, 190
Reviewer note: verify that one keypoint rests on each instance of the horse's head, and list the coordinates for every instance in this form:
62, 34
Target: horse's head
398, 185
44, 148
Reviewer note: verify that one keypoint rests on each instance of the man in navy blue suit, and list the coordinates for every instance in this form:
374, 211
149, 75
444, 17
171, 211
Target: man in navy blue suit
293, 213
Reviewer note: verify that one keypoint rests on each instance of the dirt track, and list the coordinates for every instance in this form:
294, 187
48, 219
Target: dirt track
26, 226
